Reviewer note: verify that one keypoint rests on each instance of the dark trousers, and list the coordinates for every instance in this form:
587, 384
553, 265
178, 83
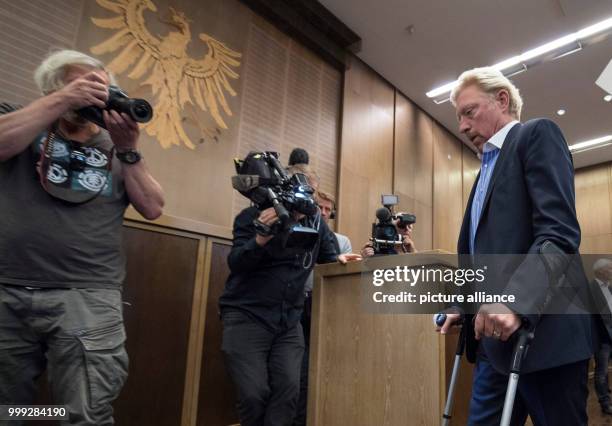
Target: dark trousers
602, 357
302, 407
553, 397
265, 369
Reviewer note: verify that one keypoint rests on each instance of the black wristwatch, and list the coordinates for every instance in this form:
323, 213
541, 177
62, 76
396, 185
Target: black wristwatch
131, 156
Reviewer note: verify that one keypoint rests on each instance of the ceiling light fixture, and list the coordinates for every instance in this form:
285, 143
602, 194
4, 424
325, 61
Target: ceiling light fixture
590, 144
552, 50
561, 112
608, 98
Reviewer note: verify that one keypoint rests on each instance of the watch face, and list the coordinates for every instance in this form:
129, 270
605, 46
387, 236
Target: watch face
129, 157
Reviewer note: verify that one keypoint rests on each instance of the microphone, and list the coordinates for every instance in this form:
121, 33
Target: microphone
383, 214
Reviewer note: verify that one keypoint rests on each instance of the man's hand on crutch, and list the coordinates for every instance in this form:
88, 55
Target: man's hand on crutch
496, 320
451, 321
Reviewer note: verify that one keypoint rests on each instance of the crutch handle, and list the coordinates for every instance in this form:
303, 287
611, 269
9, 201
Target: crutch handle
440, 318
524, 338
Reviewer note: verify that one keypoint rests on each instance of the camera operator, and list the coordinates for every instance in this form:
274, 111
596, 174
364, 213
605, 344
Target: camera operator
405, 231
61, 264
261, 306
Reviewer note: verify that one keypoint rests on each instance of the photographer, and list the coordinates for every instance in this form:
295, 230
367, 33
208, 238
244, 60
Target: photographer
261, 306
404, 231
61, 266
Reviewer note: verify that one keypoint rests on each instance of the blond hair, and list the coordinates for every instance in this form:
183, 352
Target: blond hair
324, 196
491, 81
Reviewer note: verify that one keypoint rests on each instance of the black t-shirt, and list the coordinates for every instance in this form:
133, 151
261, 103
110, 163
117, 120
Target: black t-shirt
268, 282
46, 242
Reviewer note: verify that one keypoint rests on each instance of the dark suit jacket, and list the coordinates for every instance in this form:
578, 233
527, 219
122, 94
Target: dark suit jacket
530, 199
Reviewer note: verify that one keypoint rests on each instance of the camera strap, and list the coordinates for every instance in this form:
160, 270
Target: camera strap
45, 161
315, 223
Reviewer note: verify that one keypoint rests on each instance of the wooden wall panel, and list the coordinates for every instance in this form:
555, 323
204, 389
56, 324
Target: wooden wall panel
28, 31
413, 167
593, 204
217, 399
447, 189
594, 208
367, 150
598, 244
470, 169
159, 288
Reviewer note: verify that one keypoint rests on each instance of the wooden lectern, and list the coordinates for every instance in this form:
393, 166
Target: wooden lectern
373, 369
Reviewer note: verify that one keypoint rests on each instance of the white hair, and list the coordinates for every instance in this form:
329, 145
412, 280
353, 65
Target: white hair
601, 264
490, 81
49, 76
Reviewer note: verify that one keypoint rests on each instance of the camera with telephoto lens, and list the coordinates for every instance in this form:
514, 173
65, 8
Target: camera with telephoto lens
138, 109
384, 232
263, 180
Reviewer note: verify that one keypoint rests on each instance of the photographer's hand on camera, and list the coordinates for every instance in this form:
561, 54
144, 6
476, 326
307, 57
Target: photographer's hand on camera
267, 217
143, 190
367, 250
122, 129
90, 89
408, 244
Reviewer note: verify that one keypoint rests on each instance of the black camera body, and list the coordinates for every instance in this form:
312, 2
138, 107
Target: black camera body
384, 232
138, 109
263, 180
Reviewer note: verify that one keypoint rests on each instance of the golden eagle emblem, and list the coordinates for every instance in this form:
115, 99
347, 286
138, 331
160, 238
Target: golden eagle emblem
175, 78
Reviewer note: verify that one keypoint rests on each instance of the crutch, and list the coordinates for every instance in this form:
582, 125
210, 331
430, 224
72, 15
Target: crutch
439, 320
525, 337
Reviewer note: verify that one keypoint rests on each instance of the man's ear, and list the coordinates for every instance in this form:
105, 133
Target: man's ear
503, 99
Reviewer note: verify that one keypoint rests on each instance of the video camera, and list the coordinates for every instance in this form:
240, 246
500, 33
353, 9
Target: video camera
262, 179
139, 110
384, 232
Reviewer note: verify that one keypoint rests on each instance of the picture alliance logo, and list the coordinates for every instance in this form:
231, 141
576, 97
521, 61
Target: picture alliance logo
413, 276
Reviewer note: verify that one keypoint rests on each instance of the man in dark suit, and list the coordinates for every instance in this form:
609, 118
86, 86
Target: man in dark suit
602, 295
522, 203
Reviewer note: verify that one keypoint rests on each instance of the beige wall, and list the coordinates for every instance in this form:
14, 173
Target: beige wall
390, 145
366, 158
413, 167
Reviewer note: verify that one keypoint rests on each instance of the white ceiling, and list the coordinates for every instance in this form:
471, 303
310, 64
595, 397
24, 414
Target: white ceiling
451, 36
